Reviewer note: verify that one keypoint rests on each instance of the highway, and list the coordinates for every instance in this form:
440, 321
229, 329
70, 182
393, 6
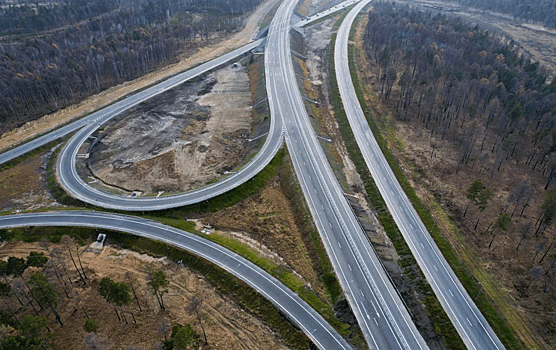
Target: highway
295, 309
380, 312
72, 183
312, 19
385, 322
464, 314
94, 120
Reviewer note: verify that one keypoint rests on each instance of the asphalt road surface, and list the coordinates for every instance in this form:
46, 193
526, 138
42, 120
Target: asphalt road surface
464, 314
380, 312
77, 188
94, 120
309, 20
71, 182
295, 309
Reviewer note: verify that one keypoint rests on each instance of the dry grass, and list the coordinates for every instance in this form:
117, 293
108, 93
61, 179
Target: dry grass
268, 218
227, 326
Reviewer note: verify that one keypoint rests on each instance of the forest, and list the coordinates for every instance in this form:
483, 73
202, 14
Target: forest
540, 11
53, 55
465, 84
473, 99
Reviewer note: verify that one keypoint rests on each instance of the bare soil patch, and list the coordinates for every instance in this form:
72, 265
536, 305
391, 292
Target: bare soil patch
187, 61
226, 325
180, 139
23, 187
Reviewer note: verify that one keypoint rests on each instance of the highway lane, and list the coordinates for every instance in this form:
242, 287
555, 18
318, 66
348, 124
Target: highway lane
295, 309
71, 182
311, 19
124, 104
380, 312
466, 317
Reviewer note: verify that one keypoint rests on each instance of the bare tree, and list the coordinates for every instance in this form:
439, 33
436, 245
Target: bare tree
18, 285
194, 307
539, 247
59, 257
131, 281
51, 269
536, 273
525, 231
68, 243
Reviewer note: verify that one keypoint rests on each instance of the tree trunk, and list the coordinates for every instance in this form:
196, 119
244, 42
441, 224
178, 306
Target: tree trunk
58, 318
75, 265
547, 250
203, 328
492, 240
80, 264
134, 294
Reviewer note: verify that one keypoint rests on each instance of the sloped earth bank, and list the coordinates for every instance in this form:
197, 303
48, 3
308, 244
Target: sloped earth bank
180, 139
23, 187
227, 326
316, 41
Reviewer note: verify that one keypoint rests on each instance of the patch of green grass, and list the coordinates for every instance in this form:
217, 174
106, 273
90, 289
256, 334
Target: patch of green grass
443, 326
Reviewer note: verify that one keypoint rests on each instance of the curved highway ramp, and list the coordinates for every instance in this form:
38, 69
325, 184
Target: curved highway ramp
295, 309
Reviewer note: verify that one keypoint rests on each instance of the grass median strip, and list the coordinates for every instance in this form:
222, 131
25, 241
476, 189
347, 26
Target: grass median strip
443, 326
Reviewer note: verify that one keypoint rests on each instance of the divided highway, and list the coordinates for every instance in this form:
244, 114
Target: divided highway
295, 309
73, 184
385, 322
379, 310
464, 314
